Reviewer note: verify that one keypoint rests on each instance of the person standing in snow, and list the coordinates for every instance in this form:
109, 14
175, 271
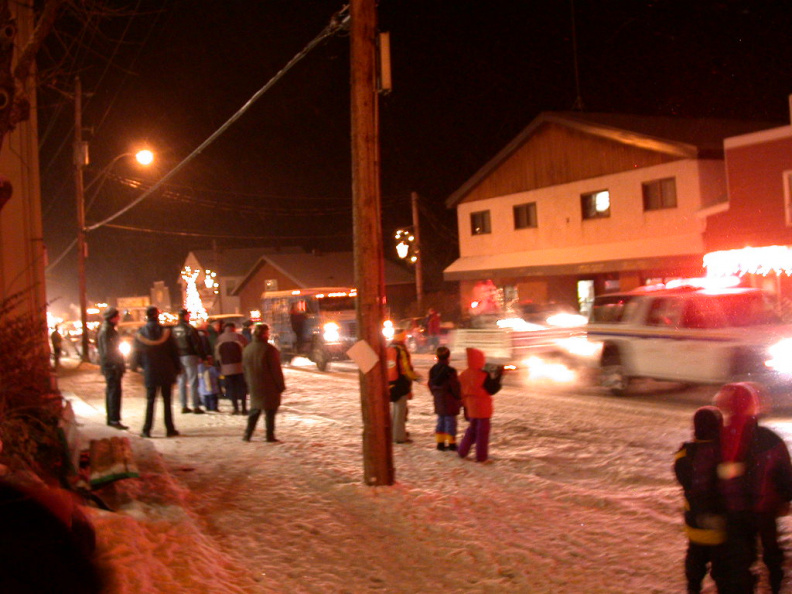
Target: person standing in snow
401, 375
228, 352
478, 385
756, 485
444, 385
696, 469
156, 351
191, 353
264, 377
112, 364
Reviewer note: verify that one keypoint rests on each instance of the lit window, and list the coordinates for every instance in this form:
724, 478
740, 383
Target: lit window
525, 216
659, 194
595, 205
480, 222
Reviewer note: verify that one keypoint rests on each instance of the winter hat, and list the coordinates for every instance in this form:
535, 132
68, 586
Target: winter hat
152, 313
184, 313
110, 313
740, 403
738, 400
707, 423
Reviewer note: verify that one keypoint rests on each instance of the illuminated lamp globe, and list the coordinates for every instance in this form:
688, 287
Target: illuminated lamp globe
145, 157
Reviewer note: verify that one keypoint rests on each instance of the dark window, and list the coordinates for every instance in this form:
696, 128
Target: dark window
525, 215
659, 194
480, 222
595, 205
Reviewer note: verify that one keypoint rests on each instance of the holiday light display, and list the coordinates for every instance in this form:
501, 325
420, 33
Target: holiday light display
775, 259
192, 300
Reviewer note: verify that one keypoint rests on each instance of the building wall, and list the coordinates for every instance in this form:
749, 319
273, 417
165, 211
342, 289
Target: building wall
563, 237
22, 253
755, 167
558, 154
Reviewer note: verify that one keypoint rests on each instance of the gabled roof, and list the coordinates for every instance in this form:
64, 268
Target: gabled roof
233, 262
687, 138
333, 269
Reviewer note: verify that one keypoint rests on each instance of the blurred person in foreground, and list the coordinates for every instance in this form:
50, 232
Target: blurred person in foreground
478, 384
264, 378
112, 364
228, 352
444, 385
696, 468
401, 375
755, 481
191, 353
156, 351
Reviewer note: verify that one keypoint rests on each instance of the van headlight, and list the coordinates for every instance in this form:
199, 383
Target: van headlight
780, 356
331, 332
125, 348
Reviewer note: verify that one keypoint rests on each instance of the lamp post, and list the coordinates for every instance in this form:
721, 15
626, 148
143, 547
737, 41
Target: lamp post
144, 157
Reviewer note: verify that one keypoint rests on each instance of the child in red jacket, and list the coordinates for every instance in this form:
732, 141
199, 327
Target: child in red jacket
478, 386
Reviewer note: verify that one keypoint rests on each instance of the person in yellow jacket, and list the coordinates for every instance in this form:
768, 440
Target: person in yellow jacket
478, 386
401, 375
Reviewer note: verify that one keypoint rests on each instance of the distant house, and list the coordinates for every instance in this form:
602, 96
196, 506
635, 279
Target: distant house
225, 268
289, 271
579, 204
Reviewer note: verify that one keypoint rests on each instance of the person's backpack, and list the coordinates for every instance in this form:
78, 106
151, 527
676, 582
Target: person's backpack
401, 385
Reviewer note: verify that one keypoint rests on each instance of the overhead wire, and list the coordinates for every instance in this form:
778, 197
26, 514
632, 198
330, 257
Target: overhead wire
337, 23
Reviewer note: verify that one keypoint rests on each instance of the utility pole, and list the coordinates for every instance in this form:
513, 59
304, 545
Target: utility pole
369, 253
418, 261
80, 160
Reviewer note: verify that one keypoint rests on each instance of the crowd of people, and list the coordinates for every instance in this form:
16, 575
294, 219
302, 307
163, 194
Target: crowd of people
735, 473
203, 363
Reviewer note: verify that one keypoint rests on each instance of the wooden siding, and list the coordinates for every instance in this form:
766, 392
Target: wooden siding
556, 155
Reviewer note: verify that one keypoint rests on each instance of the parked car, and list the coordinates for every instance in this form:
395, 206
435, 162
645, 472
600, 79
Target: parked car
689, 334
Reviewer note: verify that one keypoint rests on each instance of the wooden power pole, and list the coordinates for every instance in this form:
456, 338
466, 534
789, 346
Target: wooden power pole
419, 293
369, 253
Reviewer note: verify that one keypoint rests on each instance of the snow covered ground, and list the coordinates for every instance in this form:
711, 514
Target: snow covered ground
580, 496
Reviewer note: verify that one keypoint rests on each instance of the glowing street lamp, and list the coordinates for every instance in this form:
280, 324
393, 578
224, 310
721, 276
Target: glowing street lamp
144, 157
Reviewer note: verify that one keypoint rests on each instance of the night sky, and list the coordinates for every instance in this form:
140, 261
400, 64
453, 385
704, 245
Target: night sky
468, 76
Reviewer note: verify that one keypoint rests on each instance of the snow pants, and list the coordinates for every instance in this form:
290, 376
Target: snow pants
399, 420
477, 433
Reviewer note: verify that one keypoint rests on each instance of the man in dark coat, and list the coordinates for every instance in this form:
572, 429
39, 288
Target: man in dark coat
112, 364
155, 350
264, 378
191, 353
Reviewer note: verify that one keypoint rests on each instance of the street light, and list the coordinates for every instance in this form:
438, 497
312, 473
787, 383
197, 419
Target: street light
144, 157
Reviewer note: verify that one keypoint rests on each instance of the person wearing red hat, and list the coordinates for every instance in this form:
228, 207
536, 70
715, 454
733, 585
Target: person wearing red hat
755, 482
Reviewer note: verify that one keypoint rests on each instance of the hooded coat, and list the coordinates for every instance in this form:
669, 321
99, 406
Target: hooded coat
477, 386
263, 374
444, 385
155, 350
755, 472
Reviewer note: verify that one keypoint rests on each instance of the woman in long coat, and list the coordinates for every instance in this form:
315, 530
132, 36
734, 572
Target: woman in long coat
264, 377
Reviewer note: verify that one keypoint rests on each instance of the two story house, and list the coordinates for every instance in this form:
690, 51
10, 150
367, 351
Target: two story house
582, 203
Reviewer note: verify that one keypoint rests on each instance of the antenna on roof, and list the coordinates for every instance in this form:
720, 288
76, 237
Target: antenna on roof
578, 105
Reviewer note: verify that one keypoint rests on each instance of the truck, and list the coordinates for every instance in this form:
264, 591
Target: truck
319, 324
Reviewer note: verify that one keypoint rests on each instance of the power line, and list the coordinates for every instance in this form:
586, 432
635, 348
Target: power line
337, 23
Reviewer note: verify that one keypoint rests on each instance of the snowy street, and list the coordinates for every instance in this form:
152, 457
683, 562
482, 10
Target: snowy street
579, 497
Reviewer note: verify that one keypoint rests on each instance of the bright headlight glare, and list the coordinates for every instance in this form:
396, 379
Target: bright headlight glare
125, 348
331, 332
780, 356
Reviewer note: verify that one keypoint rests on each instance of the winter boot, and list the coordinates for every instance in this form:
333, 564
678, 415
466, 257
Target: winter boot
441, 441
